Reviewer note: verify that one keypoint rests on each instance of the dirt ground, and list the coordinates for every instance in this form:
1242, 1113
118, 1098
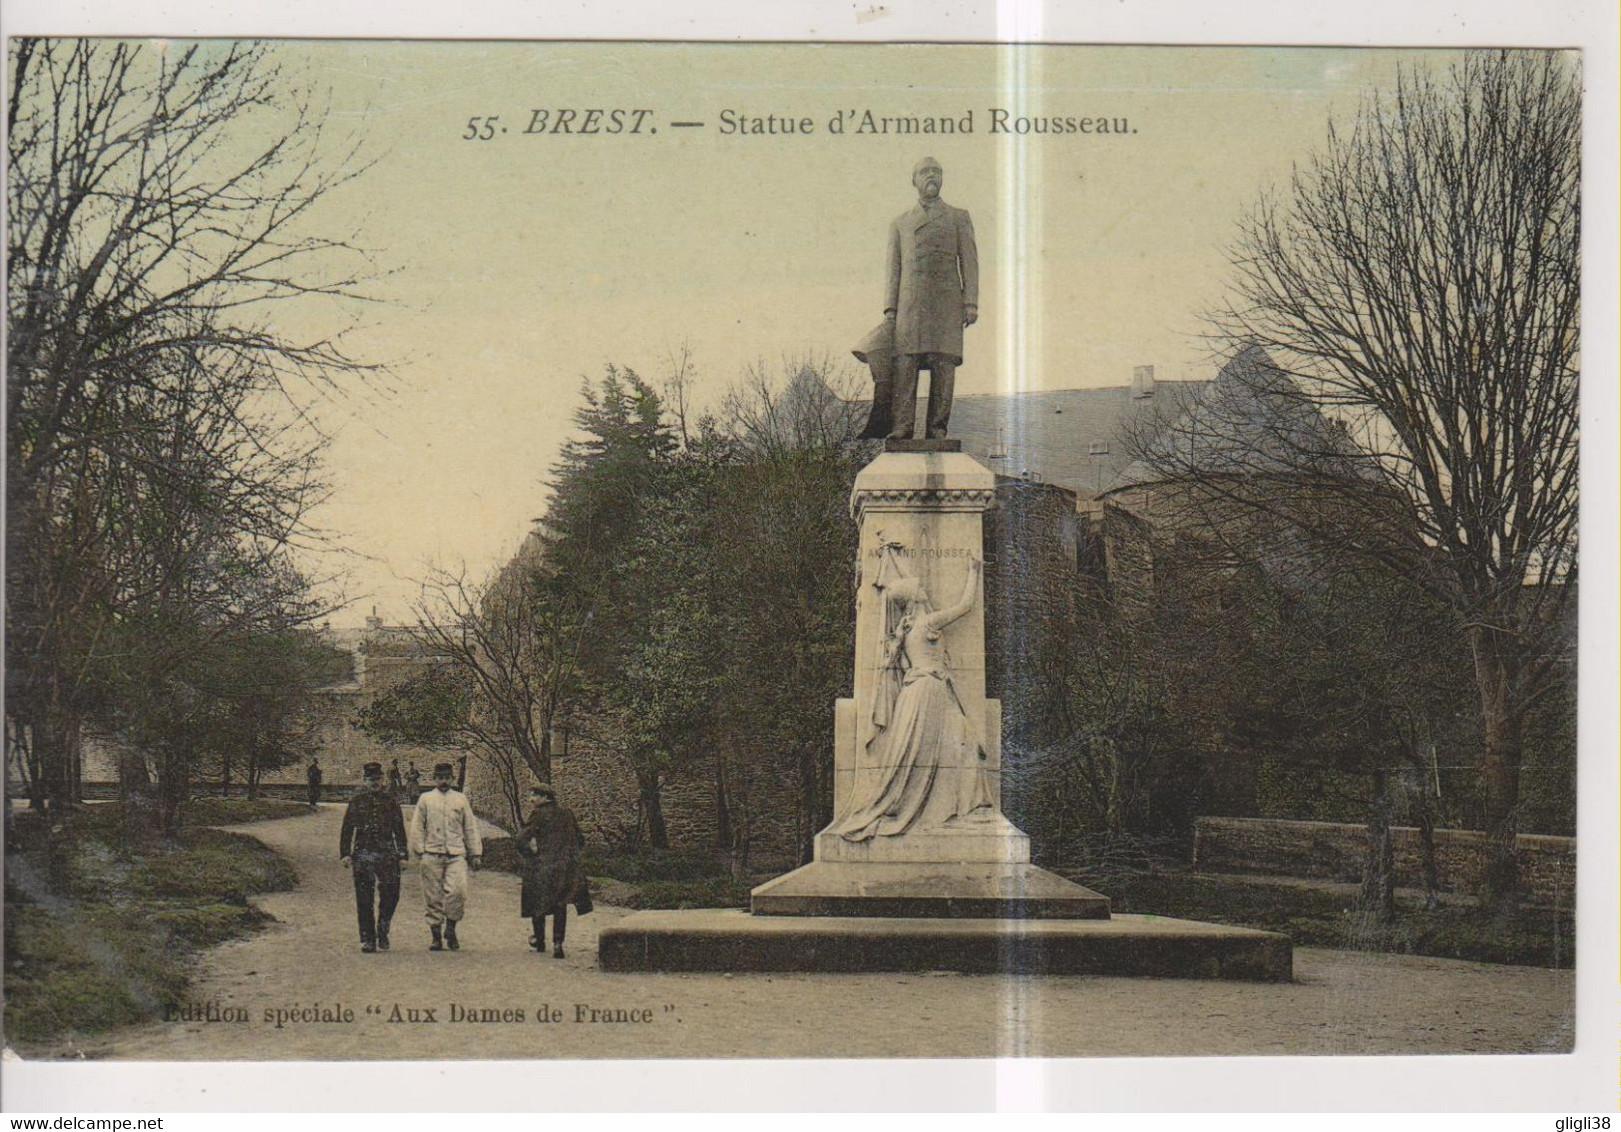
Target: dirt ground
1342, 1003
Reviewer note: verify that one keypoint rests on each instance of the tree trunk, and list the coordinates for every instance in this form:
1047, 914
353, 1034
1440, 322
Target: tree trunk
75, 753
1499, 768
1426, 850
143, 810
509, 775
723, 809
173, 785
647, 790
1379, 872
55, 741
21, 732
539, 755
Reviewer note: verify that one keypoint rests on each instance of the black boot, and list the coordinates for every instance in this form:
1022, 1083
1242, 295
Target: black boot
538, 940
382, 936
450, 936
367, 946
438, 943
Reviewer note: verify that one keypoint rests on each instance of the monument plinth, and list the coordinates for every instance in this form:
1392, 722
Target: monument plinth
917, 826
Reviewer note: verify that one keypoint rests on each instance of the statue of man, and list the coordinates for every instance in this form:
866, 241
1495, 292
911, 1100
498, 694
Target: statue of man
933, 294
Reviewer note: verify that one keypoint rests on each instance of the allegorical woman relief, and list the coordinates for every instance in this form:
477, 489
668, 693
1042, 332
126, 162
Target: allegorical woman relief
933, 764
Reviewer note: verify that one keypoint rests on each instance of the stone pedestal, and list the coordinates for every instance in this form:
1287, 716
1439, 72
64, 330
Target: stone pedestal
955, 890
1134, 946
923, 508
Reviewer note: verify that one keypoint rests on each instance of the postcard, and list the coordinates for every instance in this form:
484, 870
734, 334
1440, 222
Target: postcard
581, 551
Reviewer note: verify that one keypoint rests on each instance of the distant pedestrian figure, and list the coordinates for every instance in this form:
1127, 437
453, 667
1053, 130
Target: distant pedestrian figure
447, 837
313, 777
553, 874
395, 782
413, 776
373, 844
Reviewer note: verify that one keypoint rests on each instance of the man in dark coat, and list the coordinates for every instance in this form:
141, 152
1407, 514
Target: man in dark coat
373, 845
313, 777
932, 294
553, 875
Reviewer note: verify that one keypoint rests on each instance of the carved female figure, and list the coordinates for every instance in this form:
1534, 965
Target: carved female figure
932, 760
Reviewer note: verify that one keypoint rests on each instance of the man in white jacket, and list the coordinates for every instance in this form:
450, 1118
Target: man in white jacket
446, 835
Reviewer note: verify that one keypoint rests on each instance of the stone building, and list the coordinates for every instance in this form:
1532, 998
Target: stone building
384, 656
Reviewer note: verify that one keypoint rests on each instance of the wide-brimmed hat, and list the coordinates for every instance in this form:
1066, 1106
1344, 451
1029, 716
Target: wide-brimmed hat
880, 343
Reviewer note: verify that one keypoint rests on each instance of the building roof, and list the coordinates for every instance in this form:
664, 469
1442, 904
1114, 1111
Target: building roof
1252, 420
1071, 437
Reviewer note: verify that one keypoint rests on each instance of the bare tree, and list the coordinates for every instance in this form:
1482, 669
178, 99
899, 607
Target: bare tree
506, 665
1419, 283
813, 409
160, 459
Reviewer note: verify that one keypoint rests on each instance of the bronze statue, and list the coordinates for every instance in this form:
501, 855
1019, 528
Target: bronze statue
933, 293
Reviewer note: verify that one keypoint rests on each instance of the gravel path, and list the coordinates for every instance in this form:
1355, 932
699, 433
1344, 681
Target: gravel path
1342, 1003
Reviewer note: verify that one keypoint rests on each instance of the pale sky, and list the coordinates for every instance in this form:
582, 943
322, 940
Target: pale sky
521, 265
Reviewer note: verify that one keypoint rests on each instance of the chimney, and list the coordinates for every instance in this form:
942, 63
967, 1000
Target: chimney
1142, 382
374, 622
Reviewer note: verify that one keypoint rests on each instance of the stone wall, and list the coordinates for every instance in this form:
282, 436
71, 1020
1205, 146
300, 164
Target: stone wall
601, 787
1031, 541
1336, 851
344, 748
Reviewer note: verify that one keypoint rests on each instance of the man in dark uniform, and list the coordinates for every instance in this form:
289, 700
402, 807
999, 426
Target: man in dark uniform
373, 844
313, 777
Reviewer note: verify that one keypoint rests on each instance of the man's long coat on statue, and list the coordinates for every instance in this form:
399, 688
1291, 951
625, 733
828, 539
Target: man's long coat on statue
933, 274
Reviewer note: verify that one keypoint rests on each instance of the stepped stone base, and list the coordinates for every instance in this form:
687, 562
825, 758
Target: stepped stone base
1013, 891
734, 940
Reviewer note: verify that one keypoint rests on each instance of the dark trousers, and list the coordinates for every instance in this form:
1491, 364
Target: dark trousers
315, 793
559, 927
942, 376
377, 873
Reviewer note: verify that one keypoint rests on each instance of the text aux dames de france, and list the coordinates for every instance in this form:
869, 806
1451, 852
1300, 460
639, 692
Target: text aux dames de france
614, 122
340, 1014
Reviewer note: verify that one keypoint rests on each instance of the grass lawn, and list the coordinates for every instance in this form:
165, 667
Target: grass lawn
240, 811
100, 933
1315, 917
